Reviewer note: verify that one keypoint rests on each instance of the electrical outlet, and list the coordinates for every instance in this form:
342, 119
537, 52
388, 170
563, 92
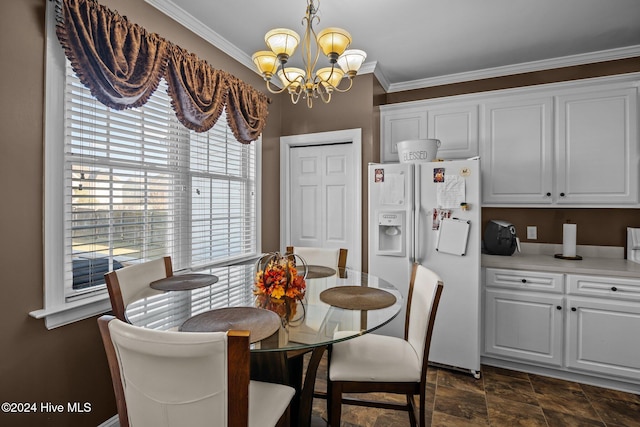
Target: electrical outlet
532, 232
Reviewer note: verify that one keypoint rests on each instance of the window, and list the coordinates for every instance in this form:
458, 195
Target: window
127, 186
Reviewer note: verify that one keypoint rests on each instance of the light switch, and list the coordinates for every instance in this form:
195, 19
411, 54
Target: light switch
532, 232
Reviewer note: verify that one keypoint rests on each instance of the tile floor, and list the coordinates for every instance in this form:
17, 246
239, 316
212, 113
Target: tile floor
500, 398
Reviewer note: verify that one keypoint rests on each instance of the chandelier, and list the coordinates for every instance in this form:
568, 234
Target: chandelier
308, 83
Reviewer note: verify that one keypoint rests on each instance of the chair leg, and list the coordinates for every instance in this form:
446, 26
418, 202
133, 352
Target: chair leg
411, 403
423, 407
334, 403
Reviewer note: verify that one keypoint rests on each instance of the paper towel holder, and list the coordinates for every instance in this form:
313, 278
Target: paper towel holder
569, 243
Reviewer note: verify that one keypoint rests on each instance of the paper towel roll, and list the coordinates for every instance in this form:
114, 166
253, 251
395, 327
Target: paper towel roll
569, 232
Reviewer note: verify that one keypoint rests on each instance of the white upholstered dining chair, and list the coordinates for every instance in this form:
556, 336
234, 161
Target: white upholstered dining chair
188, 379
379, 363
130, 283
321, 256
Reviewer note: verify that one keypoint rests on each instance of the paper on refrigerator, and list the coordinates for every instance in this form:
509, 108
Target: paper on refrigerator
451, 192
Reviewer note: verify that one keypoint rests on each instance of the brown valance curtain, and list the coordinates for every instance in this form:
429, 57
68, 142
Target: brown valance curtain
198, 92
246, 112
122, 64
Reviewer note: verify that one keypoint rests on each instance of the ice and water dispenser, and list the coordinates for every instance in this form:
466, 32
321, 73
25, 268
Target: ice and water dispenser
391, 233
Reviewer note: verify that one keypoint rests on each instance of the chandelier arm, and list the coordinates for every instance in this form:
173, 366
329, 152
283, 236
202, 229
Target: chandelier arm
325, 94
345, 89
295, 96
274, 91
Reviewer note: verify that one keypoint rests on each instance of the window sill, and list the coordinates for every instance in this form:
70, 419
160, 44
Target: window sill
63, 314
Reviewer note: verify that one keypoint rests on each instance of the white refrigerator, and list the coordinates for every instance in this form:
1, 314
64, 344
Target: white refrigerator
430, 213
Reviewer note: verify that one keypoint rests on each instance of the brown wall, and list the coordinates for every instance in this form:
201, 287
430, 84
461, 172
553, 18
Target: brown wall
66, 364
621, 66
599, 227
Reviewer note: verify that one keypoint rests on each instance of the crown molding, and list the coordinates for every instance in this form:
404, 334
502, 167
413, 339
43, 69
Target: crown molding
525, 67
197, 27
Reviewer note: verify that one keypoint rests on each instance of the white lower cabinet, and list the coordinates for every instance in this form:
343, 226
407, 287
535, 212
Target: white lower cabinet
603, 325
591, 328
604, 336
524, 325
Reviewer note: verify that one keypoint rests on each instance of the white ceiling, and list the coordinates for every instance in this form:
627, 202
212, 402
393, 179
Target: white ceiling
419, 43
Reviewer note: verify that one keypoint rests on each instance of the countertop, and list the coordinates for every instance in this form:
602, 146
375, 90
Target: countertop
601, 261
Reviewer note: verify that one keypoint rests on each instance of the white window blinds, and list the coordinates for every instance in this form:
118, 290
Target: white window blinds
139, 185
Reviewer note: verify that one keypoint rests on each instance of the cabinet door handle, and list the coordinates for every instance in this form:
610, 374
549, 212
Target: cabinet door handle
574, 309
613, 288
524, 280
548, 194
561, 194
558, 307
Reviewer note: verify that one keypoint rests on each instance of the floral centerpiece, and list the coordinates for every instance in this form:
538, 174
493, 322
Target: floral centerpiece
278, 284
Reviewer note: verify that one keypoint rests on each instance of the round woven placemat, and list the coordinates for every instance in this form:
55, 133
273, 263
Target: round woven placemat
184, 282
319, 271
260, 322
357, 297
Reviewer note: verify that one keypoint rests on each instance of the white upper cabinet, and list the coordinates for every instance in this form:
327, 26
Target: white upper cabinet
456, 126
399, 126
562, 144
577, 146
597, 147
457, 129
516, 155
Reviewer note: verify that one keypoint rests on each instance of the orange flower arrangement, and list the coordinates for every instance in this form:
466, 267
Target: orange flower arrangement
277, 277
278, 285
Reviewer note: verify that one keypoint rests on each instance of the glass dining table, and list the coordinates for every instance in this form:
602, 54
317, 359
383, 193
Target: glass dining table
337, 306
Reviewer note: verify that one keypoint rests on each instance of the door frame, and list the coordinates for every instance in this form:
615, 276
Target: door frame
353, 136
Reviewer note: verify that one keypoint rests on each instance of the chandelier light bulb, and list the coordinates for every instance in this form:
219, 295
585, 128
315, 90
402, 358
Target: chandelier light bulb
291, 77
351, 61
266, 62
282, 42
330, 77
333, 42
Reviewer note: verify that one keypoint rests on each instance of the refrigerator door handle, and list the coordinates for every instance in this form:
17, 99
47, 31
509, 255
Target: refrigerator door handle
416, 216
417, 237
412, 244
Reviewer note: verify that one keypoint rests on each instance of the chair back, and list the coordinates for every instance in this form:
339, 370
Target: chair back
328, 257
422, 304
130, 283
177, 378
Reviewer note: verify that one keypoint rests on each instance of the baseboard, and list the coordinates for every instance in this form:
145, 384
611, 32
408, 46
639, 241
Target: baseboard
564, 375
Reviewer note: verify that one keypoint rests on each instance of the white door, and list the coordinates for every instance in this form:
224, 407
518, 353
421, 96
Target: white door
321, 194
